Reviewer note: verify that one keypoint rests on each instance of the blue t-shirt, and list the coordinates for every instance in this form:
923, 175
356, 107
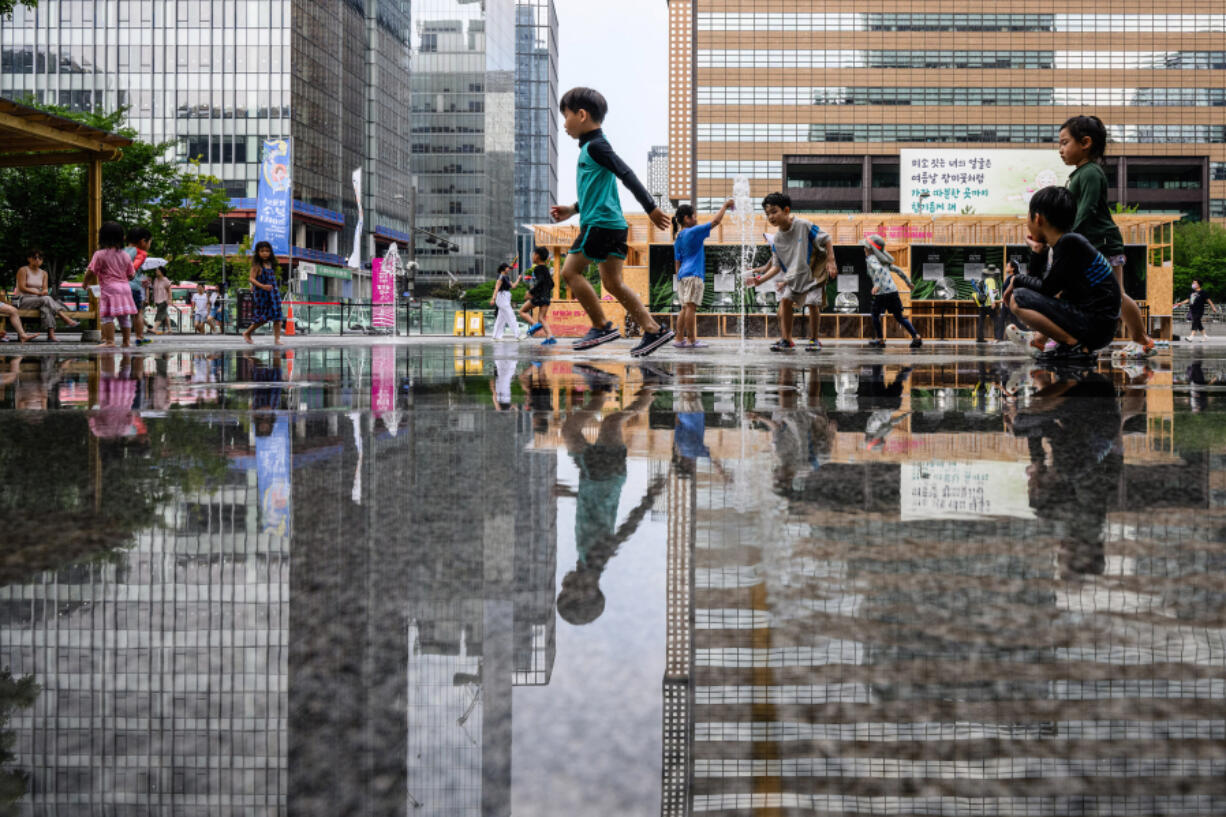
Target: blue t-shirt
690, 252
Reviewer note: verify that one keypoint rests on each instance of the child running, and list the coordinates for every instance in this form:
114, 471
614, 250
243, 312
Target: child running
501, 301
540, 296
140, 240
1196, 309
1083, 141
602, 227
885, 291
690, 253
113, 269
1082, 320
803, 254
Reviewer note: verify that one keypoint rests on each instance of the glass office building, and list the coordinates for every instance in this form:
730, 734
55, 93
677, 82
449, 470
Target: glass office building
846, 90
463, 137
536, 117
214, 77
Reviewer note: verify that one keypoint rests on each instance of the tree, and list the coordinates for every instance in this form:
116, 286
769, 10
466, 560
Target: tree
232, 269
1200, 252
46, 206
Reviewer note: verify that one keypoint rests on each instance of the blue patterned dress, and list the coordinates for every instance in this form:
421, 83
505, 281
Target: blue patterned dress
267, 303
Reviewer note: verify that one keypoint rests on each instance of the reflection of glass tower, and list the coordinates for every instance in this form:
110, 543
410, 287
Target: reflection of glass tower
415, 610
163, 673
847, 662
464, 76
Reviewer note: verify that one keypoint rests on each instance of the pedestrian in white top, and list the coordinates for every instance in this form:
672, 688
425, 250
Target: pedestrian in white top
502, 300
200, 308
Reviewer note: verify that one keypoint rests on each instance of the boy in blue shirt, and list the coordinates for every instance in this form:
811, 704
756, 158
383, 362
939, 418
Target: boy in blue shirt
690, 253
602, 227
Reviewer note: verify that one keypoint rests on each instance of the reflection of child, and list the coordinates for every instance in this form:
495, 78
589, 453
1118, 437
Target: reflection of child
1079, 417
113, 417
690, 427
602, 473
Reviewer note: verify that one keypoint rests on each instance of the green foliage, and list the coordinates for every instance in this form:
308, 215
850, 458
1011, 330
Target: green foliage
1200, 252
47, 206
234, 268
7, 6
481, 293
1119, 208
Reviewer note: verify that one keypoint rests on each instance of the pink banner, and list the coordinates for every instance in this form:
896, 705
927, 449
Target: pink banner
383, 295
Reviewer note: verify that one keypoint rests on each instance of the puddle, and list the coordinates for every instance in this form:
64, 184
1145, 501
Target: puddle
449, 580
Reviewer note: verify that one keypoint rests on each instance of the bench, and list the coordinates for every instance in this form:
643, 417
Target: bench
33, 314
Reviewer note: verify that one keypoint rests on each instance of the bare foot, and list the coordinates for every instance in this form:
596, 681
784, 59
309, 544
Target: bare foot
70, 321
247, 337
277, 343
27, 338
127, 346
51, 338
105, 346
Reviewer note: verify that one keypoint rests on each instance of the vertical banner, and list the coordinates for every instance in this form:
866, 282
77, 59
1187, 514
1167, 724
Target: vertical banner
383, 289
355, 259
382, 380
273, 478
273, 203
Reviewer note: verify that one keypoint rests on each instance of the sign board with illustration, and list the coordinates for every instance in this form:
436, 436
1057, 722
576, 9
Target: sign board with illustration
983, 182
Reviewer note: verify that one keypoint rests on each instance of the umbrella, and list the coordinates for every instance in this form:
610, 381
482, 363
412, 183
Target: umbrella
154, 263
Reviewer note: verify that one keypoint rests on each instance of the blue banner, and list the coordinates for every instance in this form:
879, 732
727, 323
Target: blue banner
274, 206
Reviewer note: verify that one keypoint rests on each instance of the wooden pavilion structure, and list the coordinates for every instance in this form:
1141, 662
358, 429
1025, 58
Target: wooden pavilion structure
29, 137
902, 231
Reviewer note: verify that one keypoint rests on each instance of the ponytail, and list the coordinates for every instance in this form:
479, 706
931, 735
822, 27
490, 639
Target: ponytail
683, 212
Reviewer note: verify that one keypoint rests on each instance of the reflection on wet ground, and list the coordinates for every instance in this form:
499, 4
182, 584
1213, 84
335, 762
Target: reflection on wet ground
461, 581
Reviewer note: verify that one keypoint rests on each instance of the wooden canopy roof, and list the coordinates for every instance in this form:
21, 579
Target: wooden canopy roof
29, 136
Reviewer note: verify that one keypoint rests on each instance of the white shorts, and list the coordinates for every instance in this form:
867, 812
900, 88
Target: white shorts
200, 317
812, 297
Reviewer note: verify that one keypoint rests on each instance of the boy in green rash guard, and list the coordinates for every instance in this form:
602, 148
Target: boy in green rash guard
602, 227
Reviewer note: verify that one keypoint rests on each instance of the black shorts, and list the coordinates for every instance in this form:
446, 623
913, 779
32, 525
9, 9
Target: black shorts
539, 302
598, 243
1197, 321
1091, 331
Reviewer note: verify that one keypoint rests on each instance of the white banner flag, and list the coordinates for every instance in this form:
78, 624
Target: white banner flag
355, 259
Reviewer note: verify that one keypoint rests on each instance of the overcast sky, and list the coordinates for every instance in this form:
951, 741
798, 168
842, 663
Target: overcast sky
621, 49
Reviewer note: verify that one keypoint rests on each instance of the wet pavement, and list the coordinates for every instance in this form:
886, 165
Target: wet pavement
441, 578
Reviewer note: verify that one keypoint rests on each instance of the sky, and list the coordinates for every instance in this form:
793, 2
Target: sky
620, 49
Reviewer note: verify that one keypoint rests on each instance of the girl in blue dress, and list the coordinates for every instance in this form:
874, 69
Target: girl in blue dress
264, 276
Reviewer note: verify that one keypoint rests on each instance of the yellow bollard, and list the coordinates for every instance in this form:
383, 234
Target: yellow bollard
476, 323
459, 323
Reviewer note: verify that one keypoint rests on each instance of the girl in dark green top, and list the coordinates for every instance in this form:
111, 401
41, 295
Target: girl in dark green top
1083, 141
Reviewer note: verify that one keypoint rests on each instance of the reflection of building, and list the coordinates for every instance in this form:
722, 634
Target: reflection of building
844, 83
464, 77
163, 673
842, 660
442, 580
536, 111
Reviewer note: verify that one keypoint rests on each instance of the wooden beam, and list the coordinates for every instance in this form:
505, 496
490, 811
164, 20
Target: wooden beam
53, 134
75, 157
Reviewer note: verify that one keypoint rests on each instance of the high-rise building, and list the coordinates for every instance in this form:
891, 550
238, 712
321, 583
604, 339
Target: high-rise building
214, 78
536, 112
464, 74
821, 99
657, 174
